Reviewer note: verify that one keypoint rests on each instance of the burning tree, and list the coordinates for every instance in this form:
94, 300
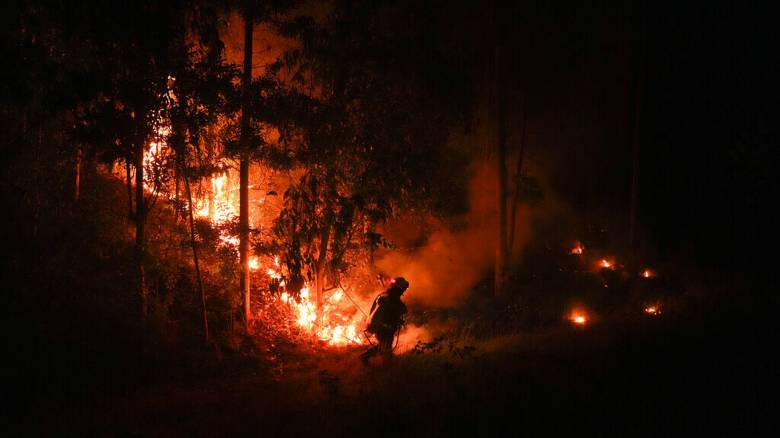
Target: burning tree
348, 128
159, 81
362, 138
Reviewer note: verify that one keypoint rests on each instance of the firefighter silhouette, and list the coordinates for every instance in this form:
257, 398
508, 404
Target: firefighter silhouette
386, 319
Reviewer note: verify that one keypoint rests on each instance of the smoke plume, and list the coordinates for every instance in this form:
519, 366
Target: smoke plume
444, 259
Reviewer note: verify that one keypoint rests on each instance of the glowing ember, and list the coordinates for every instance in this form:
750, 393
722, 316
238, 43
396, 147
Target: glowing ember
604, 263
578, 249
647, 273
653, 310
578, 317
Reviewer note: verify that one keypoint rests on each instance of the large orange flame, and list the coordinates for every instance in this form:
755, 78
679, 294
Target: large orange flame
336, 323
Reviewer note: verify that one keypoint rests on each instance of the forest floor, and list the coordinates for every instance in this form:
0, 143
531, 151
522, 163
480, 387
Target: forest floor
641, 377
80, 363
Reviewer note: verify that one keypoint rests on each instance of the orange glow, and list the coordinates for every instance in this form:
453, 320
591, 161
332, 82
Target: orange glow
604, 263
578, 317
338, 320
334, 326
578, 249
647, 273
653, 310
336, 323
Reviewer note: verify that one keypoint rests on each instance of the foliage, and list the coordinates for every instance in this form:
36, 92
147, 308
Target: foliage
370, 112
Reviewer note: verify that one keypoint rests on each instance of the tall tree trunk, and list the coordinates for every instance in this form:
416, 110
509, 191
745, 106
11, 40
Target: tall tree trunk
519, 179
140, 219
501, 244
129, 181
243, 247
177, 211
319, 283
77, 192
195, 259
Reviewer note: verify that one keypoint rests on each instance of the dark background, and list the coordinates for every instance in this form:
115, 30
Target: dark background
706, 124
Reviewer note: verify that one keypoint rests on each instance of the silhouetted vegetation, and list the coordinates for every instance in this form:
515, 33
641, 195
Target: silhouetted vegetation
582, 195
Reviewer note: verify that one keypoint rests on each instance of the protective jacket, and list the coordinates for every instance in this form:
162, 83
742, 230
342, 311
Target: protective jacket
387, 313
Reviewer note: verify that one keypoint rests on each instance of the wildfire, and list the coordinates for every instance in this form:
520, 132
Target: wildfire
334, 327
579, 318
578, 249
647, 273
604, 263
653, 310
336, 323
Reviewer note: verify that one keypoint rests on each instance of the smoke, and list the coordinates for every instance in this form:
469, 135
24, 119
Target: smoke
444, 259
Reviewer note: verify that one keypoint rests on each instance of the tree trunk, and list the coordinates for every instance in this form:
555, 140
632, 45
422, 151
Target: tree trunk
140, 219
129, 181
501, 244
319, 283
195, 257
77, 192
177, 211
519, 180
243, 247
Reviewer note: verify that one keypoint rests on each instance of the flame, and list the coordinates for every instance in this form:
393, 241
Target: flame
336, 323
578, 249
578, 317
604, 263
653, 310
334, 327
647, 273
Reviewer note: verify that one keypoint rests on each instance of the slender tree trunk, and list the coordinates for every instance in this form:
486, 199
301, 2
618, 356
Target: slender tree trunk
140, 219
195, 258
178, 213
501, 244
129, 183
519, 180
243, 247
319, 283
77, 192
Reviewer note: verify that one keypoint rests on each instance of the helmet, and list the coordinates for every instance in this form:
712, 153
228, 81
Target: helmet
399, 283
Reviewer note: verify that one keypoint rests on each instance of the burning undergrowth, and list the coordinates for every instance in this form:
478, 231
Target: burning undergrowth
322, 252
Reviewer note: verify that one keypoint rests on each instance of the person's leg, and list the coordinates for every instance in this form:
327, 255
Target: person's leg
386, 344
371, 351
